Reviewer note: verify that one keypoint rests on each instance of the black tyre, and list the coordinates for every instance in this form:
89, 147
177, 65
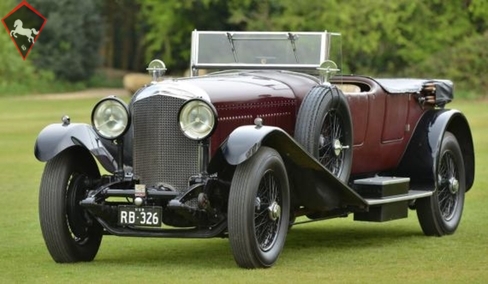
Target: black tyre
440, 214
259, 210
69, 232
324, 129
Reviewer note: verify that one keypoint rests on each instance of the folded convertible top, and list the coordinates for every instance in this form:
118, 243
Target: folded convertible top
443, 88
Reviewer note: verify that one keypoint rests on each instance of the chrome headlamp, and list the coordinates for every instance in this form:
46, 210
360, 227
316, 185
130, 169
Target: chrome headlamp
110, 118
197, 119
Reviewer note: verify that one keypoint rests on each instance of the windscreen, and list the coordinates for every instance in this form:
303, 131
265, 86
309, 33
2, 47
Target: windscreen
259, 48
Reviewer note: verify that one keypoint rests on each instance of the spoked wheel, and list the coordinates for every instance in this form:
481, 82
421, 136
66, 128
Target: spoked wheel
70, 234
259, 210
331, 153
324, 129
441, 213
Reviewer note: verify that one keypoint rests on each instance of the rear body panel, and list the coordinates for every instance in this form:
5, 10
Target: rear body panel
383, 125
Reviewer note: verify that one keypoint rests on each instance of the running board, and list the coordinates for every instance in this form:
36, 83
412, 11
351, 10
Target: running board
412, 194
387, 198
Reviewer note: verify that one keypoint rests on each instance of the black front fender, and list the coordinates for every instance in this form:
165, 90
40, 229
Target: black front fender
323, 192
55, 138
244, 141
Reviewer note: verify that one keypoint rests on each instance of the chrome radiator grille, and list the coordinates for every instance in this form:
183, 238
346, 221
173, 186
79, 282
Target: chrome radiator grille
162, 154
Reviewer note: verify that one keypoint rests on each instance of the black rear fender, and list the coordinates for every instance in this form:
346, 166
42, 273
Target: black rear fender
458, 125
421, 156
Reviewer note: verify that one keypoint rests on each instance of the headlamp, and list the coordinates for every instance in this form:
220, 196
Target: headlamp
197, 119
110, 118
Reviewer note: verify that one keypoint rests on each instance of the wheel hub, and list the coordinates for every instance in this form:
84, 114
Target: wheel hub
274, 211
453, 185
338, 147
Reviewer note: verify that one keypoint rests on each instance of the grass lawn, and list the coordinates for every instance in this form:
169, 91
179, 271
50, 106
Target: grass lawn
334, 251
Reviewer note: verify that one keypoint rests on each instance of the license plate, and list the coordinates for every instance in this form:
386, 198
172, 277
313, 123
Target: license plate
140, 215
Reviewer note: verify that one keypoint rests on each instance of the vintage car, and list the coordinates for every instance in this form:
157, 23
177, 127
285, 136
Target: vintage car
270, 137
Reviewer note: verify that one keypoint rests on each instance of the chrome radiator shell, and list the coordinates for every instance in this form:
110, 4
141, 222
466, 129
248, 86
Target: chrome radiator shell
162, 154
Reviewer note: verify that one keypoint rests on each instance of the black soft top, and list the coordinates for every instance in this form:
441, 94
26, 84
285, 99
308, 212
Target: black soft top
444, 88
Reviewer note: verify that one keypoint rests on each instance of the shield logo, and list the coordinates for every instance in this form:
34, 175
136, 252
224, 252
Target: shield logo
24, 25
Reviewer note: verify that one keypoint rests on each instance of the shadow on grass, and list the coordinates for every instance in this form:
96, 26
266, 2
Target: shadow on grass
350, 236
216, 253
201, 253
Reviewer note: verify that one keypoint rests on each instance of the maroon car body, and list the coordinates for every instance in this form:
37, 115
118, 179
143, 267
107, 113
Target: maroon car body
383, 122
272, 138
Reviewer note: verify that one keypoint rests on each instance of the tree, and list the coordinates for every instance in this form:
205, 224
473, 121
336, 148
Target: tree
464, 63
70, 41
432, 38
380, 36
479, 14
167, 26
123, 43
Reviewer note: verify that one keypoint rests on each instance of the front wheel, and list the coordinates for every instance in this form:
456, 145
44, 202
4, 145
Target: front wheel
441, 213
259, 210
70, 234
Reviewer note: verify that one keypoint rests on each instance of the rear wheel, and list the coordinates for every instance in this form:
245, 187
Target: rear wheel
324, 129
440, 214
259, 210
70, 233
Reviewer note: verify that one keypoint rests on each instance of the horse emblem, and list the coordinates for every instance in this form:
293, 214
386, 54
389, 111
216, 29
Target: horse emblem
18, 29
